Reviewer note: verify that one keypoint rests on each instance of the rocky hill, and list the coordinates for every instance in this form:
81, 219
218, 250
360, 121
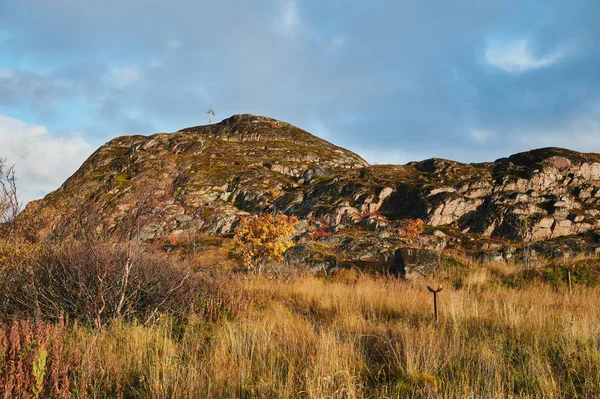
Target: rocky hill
204, 179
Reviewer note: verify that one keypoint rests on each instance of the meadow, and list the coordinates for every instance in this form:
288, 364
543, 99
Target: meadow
502, 333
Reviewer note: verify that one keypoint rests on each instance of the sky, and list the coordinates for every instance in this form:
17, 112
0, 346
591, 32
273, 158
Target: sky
393, 80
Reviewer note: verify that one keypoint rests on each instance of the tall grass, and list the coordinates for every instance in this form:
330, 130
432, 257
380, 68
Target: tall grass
350, 337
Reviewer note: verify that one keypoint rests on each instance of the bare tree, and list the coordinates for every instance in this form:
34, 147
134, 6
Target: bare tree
9, 199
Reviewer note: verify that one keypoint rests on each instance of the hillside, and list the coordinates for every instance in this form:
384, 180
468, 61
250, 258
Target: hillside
202, 180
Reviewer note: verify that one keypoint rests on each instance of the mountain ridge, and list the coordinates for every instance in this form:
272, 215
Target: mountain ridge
206, 178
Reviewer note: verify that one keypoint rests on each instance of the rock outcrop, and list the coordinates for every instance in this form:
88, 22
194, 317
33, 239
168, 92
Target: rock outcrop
205, 178
412, 263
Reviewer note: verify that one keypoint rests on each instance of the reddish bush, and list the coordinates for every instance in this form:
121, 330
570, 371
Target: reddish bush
32, 360
320, 233
412, 229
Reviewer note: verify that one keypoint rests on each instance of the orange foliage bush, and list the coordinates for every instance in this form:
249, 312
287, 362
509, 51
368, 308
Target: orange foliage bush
321, 233
263, 238
412, 229
173, 240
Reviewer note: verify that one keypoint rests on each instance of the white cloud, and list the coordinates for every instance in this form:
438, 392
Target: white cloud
481, 135
518, 56
123, 77
42, 161
583, 137
580, 134
288, 21
158, 61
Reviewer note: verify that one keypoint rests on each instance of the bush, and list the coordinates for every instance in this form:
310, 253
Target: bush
32, 362
95, 282
264, 238
321, 233
412, 229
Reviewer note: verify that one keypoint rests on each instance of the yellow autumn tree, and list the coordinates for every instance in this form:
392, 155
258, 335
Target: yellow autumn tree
263, 238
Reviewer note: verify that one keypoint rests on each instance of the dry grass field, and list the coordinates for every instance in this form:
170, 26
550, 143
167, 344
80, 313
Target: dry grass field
500, 335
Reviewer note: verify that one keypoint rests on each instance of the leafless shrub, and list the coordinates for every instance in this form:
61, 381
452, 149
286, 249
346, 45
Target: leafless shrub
9, 199
96, 282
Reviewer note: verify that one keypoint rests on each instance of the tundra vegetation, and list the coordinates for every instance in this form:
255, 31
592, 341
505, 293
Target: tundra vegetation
89, 316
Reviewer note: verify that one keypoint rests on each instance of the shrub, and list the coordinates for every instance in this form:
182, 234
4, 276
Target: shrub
263, 238
412, 229
95, 282
321, 233
9, 200
32, 361
17, 250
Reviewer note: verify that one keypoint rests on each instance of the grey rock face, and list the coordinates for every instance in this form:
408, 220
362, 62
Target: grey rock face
411, 263
206, 178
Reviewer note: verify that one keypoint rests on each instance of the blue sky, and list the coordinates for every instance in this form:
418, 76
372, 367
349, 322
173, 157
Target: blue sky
395, 81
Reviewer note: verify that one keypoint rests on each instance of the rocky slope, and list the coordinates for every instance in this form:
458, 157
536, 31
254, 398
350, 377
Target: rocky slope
204, 179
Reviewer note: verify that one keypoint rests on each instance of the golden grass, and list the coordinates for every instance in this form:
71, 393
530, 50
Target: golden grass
354, 338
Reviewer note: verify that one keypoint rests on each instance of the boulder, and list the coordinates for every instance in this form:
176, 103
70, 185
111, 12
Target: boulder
310, 174
411, 263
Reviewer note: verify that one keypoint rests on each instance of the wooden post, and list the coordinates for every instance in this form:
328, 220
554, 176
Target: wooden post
568, 269
435, 307
569, 281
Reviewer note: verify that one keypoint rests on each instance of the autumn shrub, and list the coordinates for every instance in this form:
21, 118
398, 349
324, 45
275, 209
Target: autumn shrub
173, 240
9, 199
96, 282
32, 360
17, 250
321, 233
264, 238
412, 229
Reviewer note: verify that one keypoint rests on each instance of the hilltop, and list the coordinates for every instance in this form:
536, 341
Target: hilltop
203, 179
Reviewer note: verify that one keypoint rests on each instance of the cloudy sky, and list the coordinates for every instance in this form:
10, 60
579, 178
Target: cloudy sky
393, 80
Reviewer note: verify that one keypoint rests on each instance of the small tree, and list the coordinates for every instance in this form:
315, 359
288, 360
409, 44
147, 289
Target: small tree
9, 200
263, 238
12, 248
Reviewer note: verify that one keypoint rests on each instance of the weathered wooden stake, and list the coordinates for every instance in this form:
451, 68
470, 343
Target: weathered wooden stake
435, 307
569, 280
569, 283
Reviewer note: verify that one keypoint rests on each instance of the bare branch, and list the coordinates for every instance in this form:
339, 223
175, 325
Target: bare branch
9, 199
